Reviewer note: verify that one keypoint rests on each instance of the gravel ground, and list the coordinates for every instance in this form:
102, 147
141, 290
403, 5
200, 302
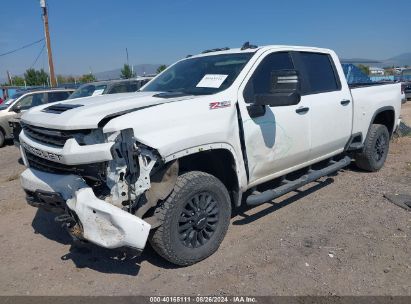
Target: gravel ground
338, 236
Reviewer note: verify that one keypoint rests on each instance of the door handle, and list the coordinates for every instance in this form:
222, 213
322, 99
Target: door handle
302, 110
345, 102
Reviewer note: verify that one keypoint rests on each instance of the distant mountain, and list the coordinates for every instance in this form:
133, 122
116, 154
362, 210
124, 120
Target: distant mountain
361, 60
400, 60
139, 70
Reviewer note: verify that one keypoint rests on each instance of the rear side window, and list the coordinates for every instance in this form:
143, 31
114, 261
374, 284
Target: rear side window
260, 82
320, 73
133, 86
57, 96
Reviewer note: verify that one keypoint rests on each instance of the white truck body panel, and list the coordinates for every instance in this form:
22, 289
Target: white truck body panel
367, 100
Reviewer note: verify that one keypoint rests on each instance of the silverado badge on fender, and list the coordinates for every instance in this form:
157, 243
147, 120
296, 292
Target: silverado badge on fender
219, 105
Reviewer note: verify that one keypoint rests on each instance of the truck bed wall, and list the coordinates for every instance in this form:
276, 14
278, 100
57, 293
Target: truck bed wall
368, 100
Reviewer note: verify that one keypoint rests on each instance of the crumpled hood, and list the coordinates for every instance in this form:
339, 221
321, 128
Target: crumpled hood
89, 111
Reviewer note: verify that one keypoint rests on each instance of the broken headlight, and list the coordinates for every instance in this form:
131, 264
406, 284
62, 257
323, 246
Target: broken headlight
91, 137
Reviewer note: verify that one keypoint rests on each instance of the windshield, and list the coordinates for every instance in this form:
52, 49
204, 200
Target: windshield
88, 90
200, 76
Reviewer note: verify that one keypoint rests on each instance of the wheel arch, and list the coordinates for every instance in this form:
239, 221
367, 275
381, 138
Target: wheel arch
384, 116
217, 160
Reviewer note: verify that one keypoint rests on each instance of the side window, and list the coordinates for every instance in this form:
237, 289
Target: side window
31, 101
57, 96
133, 86
320, 73
118, 88
260, 81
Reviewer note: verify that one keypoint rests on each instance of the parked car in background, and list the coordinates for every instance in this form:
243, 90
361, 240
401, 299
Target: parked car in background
406, 84
22, 101
110, 87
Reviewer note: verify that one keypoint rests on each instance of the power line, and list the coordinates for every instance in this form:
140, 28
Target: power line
38, 56
23, 47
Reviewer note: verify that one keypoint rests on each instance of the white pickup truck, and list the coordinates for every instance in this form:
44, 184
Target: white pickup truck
168, 163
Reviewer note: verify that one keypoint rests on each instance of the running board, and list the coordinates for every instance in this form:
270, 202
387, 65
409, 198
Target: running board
266, 196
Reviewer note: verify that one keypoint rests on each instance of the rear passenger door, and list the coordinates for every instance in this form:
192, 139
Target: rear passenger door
330, 105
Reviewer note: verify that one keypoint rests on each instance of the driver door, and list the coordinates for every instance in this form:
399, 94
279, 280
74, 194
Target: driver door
277, 138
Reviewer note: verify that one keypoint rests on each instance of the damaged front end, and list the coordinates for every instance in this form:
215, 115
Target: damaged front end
102, 202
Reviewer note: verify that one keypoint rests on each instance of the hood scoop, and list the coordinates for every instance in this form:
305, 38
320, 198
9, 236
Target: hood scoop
60, 108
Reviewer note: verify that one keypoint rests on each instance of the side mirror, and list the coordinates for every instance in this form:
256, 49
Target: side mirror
284, 90
17, 108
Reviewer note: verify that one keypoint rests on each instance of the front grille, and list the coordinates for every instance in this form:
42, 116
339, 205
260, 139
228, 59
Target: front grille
93, 173
48, 136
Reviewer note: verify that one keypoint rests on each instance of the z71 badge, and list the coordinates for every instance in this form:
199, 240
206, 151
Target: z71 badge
219, 105
41, 153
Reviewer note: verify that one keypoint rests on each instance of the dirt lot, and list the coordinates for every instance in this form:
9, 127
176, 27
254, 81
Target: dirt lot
338, 236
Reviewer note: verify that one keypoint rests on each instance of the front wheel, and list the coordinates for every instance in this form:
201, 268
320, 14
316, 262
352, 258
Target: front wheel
2, 138
195, 219
375, 151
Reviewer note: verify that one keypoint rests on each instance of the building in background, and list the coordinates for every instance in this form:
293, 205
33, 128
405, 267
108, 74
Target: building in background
377, 71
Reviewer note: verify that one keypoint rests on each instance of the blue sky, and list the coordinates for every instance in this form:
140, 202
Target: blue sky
92, 33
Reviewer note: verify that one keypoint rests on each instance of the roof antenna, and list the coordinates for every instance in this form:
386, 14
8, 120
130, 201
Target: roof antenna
247, 45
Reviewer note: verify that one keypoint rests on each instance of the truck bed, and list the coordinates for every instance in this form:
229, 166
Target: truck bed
368, 99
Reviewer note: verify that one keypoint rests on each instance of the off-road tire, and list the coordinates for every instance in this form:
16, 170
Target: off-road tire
166, 239
372, 158
2, 138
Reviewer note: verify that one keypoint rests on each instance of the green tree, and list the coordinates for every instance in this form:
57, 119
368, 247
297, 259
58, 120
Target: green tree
364, 68
87, 78
389, 71
31, 77
70, 79
34, 77
61, 79
161, 68
17, 81
42, 77
126, 72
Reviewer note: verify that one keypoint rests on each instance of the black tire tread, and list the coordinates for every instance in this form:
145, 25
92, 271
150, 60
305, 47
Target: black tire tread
2, 138
158, 239
364, 159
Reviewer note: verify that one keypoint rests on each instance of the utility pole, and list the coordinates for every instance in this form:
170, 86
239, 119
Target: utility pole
127, 55
9, 78
47, 35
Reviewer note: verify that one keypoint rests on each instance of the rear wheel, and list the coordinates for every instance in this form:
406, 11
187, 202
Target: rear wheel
375, 151
195, 218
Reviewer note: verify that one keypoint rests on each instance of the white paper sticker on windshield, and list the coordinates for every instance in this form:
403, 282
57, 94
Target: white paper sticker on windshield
97, 92
211, 81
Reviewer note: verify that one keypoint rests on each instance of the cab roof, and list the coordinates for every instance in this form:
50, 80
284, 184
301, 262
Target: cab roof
262, 49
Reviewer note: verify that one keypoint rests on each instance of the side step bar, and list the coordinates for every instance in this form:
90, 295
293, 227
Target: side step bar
266, 196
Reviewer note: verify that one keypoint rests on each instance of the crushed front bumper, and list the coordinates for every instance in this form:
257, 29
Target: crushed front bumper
101, 223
